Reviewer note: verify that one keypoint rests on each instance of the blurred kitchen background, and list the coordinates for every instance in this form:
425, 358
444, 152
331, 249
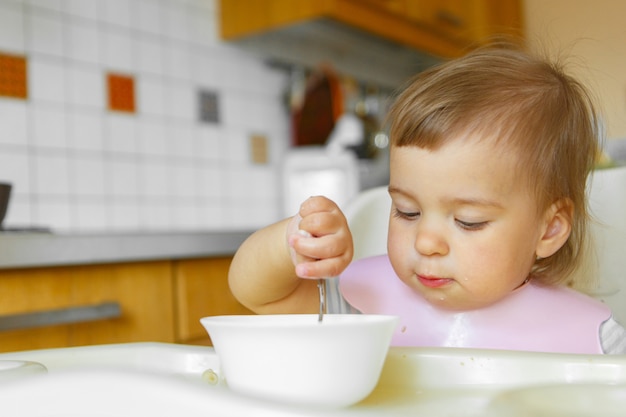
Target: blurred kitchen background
123, 115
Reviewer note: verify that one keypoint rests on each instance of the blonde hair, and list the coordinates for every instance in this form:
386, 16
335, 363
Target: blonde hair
526, 104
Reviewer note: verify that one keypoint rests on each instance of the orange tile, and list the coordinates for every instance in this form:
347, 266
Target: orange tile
13, 80
121, 90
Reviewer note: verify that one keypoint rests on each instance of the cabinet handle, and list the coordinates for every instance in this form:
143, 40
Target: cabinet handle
450, 18
103, 311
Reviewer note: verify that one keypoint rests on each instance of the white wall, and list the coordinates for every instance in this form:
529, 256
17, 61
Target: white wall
594, 32
76, 166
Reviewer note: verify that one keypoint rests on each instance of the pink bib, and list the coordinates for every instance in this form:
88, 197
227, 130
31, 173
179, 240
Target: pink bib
532, 318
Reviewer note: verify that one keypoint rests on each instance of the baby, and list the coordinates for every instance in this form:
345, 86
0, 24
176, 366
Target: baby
489, 159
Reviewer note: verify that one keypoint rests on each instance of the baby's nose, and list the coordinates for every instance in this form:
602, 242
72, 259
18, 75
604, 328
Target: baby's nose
431, 240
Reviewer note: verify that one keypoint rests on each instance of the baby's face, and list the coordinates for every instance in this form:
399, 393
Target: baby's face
463, 228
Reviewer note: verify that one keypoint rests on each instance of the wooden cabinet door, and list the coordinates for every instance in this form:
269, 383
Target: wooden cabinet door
397, 7
449, 18
143, 292
469, 22
447, 28
201, 289
34, 290
244, 17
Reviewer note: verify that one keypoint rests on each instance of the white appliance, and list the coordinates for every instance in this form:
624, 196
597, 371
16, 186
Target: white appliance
330, 170
311, 171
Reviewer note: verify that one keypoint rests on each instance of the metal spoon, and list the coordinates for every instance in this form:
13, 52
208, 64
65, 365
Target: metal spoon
321, 286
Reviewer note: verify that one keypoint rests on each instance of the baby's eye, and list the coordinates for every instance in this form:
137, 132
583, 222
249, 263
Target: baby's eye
471, 225
406, 215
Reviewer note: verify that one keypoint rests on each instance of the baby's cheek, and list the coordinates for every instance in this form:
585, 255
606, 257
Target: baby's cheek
400, 249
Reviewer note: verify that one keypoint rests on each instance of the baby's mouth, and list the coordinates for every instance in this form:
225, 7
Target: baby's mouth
433, 282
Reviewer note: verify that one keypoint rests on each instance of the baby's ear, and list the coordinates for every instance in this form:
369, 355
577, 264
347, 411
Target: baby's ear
557, 227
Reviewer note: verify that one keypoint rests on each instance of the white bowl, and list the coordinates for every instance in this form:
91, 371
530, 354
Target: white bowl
296, 359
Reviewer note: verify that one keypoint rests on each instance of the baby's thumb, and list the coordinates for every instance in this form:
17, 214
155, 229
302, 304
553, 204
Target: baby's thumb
293, 228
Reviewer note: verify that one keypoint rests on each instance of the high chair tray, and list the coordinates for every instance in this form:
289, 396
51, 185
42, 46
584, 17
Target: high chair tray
160, 379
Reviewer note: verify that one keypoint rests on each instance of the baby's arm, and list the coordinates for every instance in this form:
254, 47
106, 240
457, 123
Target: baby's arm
262, 275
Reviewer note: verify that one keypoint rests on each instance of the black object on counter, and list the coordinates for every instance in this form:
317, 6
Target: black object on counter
5, 194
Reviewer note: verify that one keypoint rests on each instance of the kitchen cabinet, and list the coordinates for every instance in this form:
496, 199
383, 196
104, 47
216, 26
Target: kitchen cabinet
158, 301
141, 291
453, 19
443, 28
201, 289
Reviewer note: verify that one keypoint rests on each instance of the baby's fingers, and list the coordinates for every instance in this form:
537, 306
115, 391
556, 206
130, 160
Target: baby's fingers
296, 256
322, 268
323, 247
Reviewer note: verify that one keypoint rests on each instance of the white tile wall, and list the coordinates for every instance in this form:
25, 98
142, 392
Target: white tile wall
13, 123
77, 167
82, 44
12, 29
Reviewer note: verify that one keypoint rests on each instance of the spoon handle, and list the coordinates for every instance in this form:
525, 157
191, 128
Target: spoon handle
321, 286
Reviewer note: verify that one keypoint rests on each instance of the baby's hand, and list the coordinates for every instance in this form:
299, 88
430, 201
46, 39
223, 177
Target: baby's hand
320, 240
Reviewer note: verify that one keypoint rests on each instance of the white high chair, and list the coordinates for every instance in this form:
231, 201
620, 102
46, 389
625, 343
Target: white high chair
607, 202
368, 217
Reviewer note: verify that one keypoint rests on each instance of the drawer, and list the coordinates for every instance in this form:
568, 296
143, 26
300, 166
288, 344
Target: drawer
83, 305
